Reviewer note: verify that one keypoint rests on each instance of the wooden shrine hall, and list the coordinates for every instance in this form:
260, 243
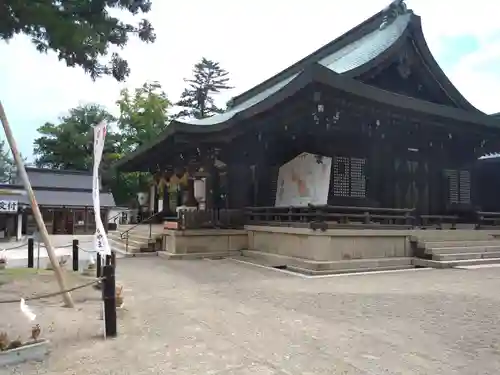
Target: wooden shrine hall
394, 142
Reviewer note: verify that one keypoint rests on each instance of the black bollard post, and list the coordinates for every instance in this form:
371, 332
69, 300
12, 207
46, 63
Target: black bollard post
75, 255
109, 297
98, 265
108, 260
31, 252
113, 259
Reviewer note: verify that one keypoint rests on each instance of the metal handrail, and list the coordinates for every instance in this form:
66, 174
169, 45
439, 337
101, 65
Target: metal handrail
122, 234
114, 217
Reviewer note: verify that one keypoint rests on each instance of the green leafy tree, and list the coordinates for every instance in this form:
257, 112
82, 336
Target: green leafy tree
81, 32
143, 115
7, 164
209, 79
69, 143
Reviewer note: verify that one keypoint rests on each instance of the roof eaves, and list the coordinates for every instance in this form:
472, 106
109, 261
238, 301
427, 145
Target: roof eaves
434, 68
147, 146
273, 96
58, 171
324, 75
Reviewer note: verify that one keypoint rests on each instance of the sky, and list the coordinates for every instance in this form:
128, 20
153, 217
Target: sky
253, 40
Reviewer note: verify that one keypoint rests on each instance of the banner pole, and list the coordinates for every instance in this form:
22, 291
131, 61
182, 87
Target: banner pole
68, 301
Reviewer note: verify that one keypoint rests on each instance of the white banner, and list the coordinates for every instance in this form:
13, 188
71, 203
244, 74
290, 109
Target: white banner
101, 243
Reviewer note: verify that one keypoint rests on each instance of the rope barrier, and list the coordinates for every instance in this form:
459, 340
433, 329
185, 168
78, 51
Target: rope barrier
54, 294
86, 250
15, 247
41, 246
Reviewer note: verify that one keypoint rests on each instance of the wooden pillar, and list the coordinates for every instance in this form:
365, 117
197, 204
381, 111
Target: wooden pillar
85, 219
191, 201
19, 225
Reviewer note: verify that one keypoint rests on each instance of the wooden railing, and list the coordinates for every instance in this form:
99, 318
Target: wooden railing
333, 216
213, 218
488, 220
323, 217
438, 221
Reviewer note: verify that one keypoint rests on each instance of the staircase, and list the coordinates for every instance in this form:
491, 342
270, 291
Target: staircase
138, 238
447, 249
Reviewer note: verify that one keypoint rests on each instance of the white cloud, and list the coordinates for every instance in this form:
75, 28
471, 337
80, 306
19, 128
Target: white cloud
477, 76
252, 40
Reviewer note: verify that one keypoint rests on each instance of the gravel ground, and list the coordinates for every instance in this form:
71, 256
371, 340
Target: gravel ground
222, 317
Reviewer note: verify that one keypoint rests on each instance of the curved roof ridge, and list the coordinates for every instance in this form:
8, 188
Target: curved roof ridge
368, 47
250, 102
432, 65
367, 26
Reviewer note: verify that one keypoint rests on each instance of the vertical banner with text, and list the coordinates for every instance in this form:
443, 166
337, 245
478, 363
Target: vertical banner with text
101, 243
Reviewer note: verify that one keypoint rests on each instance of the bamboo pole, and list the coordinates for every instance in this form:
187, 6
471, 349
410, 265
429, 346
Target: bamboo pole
68, 301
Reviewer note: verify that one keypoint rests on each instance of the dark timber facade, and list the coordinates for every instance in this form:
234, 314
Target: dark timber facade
400, 135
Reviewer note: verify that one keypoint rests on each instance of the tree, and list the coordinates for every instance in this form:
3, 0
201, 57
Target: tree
7, 164
69, 144
143, 115
81, 32
198, 99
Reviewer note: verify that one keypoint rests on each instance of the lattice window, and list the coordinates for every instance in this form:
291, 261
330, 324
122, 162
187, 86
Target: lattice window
349, 179
459, 186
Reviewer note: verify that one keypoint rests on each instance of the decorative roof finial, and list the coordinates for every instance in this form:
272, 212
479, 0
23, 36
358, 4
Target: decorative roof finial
395, 9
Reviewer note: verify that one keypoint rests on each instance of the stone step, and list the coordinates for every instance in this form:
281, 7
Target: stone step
141, 228
453, 263
348, 270
450, 235
442, 244
460, 250
131, 242
260, 261
138, 237
465, 256
276, 260
121, 248
193, 256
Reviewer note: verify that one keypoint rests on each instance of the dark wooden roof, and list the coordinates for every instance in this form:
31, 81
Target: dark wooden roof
340, 64
384, 43
53, 178
60, 188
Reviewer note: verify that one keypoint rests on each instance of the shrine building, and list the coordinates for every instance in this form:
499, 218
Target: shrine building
365, 134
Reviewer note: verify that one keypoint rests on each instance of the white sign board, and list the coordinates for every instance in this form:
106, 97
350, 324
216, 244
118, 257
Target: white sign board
8, 206
304, 180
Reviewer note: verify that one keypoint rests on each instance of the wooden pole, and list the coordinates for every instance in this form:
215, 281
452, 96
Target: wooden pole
68, 301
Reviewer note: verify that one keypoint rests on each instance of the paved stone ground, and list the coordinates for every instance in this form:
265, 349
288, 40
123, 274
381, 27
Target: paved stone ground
222, 317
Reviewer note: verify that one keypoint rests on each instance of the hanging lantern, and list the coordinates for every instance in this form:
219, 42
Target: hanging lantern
174, 180
199, 190
161, 187
184, 179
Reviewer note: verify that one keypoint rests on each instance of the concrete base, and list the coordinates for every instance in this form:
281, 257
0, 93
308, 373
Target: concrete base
32, 352
311, 267
330, 245
192, 256
320, 252
191, 244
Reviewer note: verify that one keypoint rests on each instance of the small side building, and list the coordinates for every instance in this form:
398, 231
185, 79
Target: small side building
64, 198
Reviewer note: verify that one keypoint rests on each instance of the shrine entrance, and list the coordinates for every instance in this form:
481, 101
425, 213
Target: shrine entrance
411, 183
